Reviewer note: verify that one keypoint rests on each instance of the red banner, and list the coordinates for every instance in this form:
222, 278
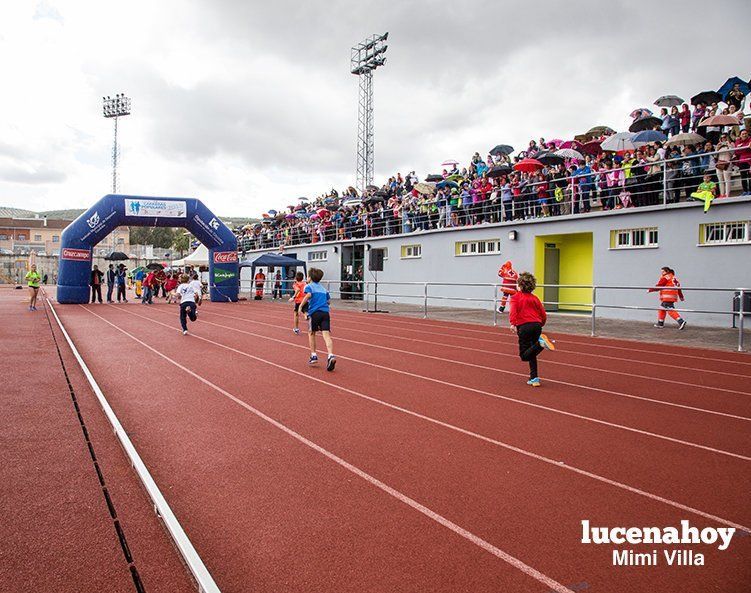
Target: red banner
76, 254
225, 257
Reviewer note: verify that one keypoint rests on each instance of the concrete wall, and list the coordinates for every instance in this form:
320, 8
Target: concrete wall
678, 225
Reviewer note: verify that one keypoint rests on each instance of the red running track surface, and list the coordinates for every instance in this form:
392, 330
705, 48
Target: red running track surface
424, 462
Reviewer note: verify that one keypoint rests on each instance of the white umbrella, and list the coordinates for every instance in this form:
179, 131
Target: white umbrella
449, 163
569, 153
618, 142
687, 139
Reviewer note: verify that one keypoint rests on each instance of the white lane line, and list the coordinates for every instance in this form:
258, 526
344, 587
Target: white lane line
553, 462
502, 341
497, 370
440, 519
451, 325
194, 562
493, 395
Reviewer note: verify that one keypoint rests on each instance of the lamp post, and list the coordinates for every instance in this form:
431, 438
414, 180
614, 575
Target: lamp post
366, 57
112, 108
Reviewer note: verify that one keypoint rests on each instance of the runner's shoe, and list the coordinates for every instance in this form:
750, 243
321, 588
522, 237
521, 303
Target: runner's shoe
296, 331
660, 325
546, 342
682, 324
331, 363
313, 359
534, 382
185, 332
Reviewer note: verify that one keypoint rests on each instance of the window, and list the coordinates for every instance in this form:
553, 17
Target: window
482, 247
21, 237
121, 241
318, 255
3, 237
643, 238
725, 233
37, 237
55, 238
411, 251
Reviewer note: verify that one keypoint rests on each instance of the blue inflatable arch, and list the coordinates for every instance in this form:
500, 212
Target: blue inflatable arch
114, 210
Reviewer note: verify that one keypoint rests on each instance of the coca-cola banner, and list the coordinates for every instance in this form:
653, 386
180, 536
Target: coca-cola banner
225, 257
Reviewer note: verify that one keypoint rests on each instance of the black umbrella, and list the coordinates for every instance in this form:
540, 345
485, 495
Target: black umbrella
502, 149
644, 123
375, 199
382, 193
499, 171
372, 188
549, 158
117, 256
155, 266
433, 178
706, 97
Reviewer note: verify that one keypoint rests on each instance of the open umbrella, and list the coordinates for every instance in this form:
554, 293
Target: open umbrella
374, 199
424, 189
502, 149
499, 171
353, 202
528, 165
592, 147
648, 137
549, 158
618, 142
372, 188
290, 216
433, 178
570, 153
688, 139
640, 112
669, 101
447, 183
449, 163
730, 83
574, 144
116, 256
706, 97
644, 123
720, 120
155, 266
600, 131
555, 142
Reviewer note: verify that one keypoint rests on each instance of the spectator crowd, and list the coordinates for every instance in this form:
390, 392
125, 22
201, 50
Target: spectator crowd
677, 154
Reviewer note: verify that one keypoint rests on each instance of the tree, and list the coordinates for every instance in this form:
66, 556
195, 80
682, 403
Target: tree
181, 242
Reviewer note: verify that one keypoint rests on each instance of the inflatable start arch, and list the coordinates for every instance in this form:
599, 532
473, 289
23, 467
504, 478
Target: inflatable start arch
113, 210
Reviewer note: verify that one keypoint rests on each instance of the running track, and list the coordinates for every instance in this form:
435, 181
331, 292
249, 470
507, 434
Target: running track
424, 463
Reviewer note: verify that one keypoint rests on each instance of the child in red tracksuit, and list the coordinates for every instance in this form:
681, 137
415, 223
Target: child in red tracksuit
527, 316
670, 292
509, 278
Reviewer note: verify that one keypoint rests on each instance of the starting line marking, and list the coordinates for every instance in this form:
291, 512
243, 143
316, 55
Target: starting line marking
196, 566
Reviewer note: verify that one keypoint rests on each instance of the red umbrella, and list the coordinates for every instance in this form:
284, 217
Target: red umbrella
528, 165
591, 147
570, 144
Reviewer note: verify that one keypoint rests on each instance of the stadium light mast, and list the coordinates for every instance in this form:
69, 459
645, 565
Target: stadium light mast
366, 57
112, 108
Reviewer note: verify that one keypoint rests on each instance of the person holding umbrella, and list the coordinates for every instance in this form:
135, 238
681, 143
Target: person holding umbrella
111, 276
120, 278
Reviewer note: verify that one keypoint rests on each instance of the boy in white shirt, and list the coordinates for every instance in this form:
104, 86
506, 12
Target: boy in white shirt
189, 296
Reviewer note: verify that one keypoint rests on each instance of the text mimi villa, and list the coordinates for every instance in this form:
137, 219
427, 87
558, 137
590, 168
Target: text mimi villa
684, 535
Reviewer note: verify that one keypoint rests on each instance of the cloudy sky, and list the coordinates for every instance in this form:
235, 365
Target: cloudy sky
249, 104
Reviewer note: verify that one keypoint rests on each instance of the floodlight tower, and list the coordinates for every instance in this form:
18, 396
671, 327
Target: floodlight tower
113, 108
366, 57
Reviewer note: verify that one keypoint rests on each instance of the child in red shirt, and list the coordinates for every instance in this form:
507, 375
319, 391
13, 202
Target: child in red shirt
299, 287
527, 318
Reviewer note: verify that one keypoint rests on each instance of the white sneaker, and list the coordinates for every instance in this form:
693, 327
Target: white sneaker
185, 332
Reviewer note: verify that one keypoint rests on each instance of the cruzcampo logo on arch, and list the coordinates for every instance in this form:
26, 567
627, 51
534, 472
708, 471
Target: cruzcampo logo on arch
221, 275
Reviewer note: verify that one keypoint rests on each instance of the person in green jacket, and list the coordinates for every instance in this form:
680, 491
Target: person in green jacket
33, 279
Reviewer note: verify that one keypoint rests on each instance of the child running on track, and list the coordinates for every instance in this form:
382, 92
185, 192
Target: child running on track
198, 288
317, 298
188, 299
299, 287
527, 316
670, 292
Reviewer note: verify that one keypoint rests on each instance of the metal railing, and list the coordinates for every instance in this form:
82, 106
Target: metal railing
369, 292
643, 183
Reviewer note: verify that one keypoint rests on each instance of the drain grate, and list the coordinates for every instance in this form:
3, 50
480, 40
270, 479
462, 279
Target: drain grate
137, 583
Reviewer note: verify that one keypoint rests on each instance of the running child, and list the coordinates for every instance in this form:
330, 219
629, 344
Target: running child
508, 277
198, 287
299, 287
317, 298
527, 316
670, 292
188, 299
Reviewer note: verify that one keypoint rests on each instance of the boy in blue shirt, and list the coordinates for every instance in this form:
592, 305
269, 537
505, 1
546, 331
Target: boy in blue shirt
317, 298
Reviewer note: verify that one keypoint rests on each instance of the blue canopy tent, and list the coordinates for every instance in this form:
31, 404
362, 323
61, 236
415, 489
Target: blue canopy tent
275, 260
